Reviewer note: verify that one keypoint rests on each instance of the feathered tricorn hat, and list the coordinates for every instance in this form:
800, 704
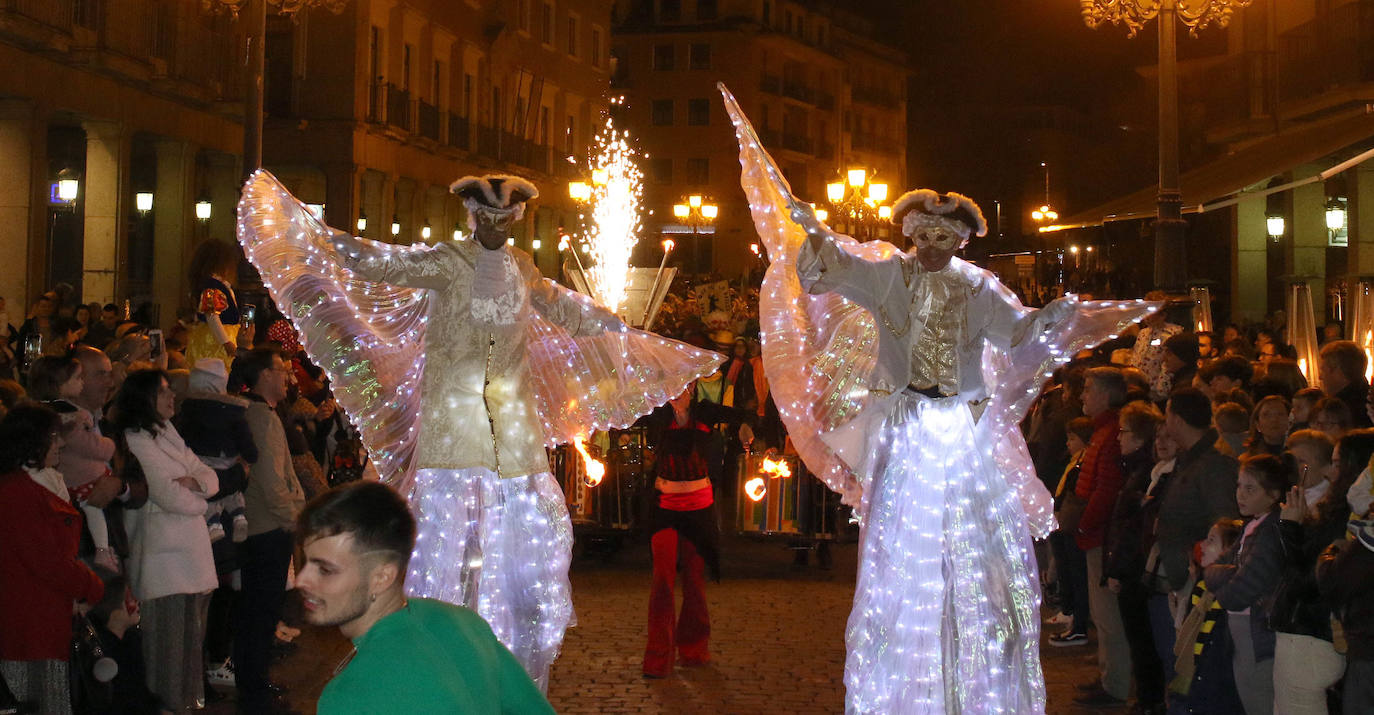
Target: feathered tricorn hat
950, 206
495, 192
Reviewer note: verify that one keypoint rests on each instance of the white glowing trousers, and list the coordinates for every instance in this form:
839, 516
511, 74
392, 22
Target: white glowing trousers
945, 615
500, 547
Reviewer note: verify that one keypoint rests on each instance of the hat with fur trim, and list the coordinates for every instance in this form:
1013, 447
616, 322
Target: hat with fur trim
935, 205
495, 191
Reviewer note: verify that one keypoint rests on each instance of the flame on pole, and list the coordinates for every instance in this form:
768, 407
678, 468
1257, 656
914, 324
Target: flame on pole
755, 489
596, 470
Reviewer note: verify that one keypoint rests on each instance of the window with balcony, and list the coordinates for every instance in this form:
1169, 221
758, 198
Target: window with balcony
620, 66
661, 171
663, 57
662, 110
570, 136
669, 10
522, 15
698, 172
546, 23
699, 56
698, 112
572, 35
406, 51
594, 51
374, 73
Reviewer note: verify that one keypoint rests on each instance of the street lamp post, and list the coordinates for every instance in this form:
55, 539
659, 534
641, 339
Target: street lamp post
697, 212
1170, 245
255, 41
859, 201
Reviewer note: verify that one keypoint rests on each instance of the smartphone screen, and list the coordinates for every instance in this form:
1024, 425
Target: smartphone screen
250, 314
155, 341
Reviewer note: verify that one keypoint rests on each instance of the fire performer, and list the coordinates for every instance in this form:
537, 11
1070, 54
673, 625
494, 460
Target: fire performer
683, 527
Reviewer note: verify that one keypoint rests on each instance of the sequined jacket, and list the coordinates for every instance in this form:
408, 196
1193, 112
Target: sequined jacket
477, 408
900, 293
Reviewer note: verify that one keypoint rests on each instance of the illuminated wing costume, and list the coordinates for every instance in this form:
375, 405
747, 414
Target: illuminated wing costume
946, 609
460, 365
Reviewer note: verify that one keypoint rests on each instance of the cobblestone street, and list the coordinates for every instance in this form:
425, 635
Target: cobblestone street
777, 642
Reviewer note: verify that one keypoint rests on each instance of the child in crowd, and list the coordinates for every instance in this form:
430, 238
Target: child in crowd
1233, 426
1205, 683
215, 426
116, 618
1246, 578
85, 457
1071, 568
1304, 402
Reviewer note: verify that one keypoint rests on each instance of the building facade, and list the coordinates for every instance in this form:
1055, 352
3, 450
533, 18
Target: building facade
822, 93
369, 114
1277, 185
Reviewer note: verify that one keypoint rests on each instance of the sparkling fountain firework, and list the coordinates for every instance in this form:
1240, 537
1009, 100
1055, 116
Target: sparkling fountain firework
612, 219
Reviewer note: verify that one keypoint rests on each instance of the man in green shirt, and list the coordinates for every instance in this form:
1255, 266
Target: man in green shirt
409, 655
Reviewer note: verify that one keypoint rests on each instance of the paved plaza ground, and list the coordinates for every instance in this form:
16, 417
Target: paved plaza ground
777, 641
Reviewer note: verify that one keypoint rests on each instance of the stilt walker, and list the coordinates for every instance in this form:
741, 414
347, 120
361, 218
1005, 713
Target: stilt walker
460, 363
902, 377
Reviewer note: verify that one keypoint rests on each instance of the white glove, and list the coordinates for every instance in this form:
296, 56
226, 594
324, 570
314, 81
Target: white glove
345, 244
1057, 310
804, 215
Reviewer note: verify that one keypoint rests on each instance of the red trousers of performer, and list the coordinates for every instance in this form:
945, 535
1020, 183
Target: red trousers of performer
687, 633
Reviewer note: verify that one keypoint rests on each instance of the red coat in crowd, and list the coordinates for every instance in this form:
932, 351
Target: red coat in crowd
1099, 480
40, 577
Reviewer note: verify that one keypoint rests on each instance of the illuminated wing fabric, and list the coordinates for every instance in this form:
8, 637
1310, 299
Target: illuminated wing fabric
820, 349
369, 339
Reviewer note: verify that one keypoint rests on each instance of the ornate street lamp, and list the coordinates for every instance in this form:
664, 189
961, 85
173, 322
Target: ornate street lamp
1170, 246
858, 201
697, 212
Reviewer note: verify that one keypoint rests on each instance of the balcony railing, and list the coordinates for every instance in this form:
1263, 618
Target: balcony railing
428, 120
796, 142
799, 92
771, 84
398, 107
1327, 52
56, 14
512, 149
876, 97
458, 129
1231, 90
376, 102
862, 141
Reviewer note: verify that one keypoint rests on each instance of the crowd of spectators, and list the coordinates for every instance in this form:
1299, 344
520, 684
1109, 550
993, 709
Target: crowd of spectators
1214, 530
147, 507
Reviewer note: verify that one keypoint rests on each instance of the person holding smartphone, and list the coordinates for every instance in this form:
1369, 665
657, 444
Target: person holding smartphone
214, 271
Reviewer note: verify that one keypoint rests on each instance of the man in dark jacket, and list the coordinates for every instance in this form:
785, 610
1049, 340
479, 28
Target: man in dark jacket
1201, 489
1345, 574
1342, 367
1125, 544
